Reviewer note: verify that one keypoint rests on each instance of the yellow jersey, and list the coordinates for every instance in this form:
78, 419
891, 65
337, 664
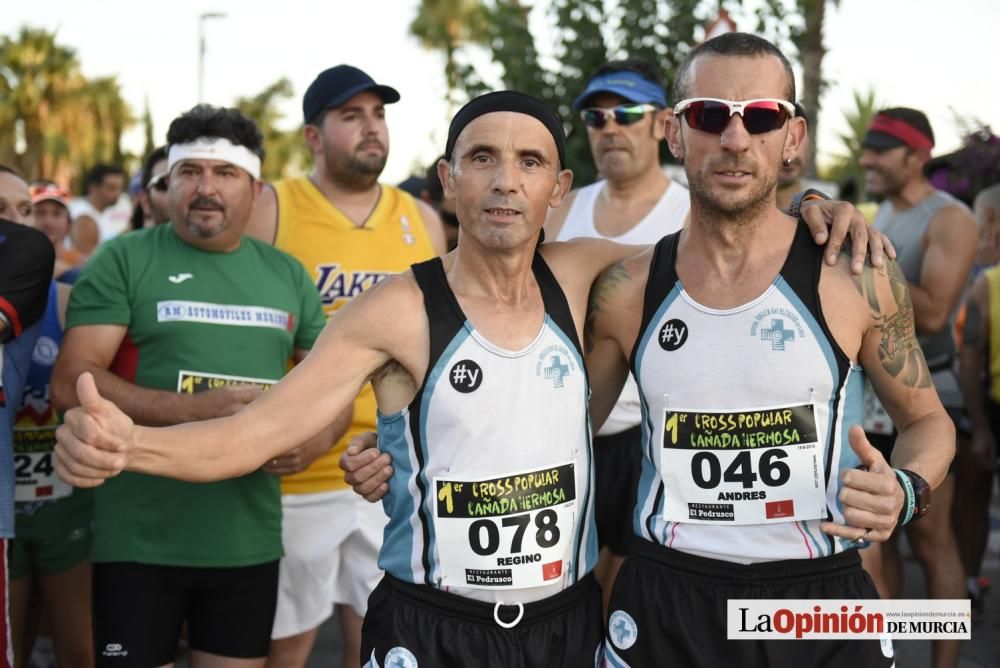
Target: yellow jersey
993, 280
344, 259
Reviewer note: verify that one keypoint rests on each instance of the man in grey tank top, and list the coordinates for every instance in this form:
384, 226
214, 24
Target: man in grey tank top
935, 238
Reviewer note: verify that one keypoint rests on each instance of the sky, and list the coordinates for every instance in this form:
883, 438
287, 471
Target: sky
911, 52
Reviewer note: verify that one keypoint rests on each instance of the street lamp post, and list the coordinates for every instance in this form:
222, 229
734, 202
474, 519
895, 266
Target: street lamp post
201, 50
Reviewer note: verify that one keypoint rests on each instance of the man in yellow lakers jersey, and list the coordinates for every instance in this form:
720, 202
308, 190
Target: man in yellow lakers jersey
350, 232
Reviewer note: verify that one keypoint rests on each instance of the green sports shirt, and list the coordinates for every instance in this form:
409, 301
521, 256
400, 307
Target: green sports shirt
196, 320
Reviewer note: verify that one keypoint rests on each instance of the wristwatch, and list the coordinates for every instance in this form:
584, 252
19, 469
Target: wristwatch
917, 493
795, 207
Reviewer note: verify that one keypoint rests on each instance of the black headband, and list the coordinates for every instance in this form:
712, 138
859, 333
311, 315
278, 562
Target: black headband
507, 100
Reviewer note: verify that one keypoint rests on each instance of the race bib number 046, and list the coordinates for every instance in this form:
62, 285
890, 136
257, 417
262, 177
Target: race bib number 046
742, 467
510, 532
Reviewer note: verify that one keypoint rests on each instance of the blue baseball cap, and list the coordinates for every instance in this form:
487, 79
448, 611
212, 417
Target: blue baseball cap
632, 86
335, 86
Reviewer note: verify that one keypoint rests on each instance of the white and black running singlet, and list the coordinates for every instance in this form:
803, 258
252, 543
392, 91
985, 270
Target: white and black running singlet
745, 416
492, 495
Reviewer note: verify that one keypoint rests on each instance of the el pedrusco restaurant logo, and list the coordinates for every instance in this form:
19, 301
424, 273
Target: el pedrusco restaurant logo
802, 619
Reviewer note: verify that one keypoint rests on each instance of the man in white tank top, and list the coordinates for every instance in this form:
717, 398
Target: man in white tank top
623, 106
723, 326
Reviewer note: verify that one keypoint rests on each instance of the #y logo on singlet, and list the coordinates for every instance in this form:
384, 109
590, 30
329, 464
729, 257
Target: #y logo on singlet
466, 376
673, 334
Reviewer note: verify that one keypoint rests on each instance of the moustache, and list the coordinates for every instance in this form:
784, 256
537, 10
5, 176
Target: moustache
204, 202
369, 143
729, 165
609, 143
504, 204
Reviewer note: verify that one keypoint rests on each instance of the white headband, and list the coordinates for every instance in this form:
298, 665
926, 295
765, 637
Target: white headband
215, 148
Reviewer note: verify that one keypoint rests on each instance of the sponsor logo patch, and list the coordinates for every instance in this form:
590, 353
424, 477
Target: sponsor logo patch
466, 376
673, 334
622, 629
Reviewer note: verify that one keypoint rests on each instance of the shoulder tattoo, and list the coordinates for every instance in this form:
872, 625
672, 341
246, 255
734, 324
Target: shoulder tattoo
600, 297
899, 350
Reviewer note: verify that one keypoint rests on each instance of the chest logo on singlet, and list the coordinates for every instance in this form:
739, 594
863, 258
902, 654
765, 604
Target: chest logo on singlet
466, 376
554, 364
777, 334
673, 334
778, 326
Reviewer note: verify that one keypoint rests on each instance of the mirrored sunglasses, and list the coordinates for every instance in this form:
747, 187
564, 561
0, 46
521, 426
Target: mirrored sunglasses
710, 114
625, 114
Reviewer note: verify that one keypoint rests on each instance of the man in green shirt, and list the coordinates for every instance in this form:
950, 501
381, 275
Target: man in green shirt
190, 321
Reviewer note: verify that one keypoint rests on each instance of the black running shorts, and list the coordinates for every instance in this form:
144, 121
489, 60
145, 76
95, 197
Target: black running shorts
668, 608
415, 625
617, 466
139, 610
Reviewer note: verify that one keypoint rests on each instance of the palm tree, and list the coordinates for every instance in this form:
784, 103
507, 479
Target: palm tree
53, 121
846, 167
447, 25
35, 74
809, 42
285, 152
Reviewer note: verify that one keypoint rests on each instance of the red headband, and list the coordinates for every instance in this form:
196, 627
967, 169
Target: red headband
902, 131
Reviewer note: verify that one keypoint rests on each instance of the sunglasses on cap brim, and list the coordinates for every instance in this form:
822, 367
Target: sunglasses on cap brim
710, 114
625, 114
158, 183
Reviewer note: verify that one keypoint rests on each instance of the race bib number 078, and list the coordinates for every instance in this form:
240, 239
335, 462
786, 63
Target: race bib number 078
510, 532
742, 467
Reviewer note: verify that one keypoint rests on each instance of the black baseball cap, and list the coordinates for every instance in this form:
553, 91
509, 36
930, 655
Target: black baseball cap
335, 86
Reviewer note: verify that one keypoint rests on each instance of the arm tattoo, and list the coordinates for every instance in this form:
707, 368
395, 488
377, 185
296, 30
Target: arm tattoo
865, 283
899, 351
973, 324
600, 294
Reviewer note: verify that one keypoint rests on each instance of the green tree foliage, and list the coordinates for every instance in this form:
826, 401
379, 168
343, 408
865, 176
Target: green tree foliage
147, 129
581, 35
446, 26
54, 122
845, 167
285, 150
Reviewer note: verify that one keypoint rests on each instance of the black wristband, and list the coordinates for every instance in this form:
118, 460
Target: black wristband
795, 208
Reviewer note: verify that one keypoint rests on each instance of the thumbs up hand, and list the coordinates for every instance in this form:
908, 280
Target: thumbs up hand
95, 439
870, 495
